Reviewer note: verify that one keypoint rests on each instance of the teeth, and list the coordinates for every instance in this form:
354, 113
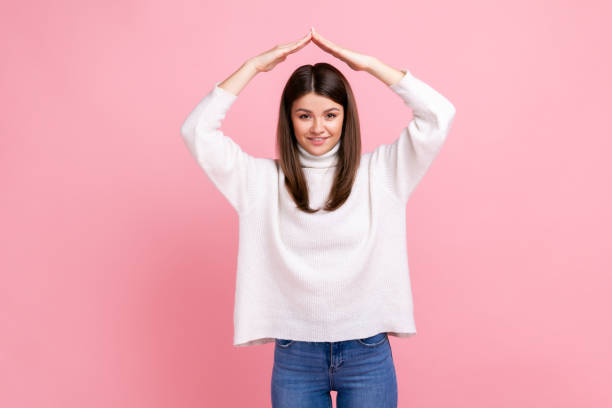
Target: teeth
318, 140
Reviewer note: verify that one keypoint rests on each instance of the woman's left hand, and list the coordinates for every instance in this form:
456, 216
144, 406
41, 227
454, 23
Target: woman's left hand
355, 60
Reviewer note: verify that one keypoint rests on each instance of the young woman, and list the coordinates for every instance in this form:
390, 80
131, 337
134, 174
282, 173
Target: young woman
322, 264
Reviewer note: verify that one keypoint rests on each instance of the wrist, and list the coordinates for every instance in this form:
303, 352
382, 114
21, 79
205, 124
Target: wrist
372, 65
384, 72
250, 67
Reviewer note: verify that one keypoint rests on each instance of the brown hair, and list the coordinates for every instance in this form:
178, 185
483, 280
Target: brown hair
326, 80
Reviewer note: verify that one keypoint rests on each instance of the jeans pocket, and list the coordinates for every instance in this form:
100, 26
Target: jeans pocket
284, 343
374, 340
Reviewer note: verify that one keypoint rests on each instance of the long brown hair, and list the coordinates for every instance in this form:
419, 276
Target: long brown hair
326, 80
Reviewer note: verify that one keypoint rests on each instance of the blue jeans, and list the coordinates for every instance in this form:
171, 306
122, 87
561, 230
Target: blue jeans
361, 371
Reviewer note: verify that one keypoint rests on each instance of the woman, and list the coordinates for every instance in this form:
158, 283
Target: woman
322, 264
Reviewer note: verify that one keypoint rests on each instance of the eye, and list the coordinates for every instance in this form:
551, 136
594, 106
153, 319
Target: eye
333, 115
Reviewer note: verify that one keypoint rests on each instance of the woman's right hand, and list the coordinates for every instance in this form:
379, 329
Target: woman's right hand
266, 61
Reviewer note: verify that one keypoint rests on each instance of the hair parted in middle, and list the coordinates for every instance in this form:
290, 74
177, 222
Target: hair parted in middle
325, 80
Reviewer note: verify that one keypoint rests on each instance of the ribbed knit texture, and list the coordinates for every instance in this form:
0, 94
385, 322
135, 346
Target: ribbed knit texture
327, 276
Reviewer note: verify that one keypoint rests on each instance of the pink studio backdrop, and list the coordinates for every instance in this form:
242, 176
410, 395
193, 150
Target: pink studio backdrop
118, 255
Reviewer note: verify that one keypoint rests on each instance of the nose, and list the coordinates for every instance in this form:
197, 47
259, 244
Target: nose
317, 126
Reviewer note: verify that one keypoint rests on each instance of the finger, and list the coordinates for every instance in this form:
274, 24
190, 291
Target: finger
333, 51
330, 45
319, 37
299, 47
301, 43
327, 45
297, 43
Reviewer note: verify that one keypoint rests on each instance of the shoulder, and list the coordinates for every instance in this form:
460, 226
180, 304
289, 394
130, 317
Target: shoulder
264, 164
365, 159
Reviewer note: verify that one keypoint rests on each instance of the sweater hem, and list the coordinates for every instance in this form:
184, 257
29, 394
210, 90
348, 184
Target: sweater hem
270, 339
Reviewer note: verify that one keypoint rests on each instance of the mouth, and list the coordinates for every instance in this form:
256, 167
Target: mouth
317, 141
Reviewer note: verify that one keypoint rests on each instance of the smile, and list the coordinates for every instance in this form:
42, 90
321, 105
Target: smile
317, 141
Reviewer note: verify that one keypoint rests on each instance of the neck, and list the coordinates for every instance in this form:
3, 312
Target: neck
325, 160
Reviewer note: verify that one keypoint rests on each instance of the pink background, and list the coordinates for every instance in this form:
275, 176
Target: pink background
118, 254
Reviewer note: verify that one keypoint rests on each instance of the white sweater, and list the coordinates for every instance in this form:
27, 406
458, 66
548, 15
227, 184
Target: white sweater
327, 276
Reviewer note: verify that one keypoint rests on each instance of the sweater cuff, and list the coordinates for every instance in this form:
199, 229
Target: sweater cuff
404, 82
227, 98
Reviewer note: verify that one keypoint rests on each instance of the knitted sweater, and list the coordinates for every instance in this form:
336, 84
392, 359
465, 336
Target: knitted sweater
327, 276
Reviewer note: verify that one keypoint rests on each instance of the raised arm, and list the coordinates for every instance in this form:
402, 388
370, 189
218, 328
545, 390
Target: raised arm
401, 165
230, 169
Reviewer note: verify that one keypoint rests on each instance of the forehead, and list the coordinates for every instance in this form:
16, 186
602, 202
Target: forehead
315, 103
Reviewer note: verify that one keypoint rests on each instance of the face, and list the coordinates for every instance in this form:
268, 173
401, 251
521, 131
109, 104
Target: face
317, 117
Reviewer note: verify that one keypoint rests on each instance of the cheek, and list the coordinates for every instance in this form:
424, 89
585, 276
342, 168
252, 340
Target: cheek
300, 129
338, 127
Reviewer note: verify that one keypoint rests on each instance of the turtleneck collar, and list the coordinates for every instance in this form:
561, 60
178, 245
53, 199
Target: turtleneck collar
322, 161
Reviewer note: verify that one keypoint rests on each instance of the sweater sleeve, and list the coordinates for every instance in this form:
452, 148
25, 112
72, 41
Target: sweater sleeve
402, 164
229, 168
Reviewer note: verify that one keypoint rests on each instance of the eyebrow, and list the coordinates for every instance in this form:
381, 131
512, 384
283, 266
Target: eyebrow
326, 110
